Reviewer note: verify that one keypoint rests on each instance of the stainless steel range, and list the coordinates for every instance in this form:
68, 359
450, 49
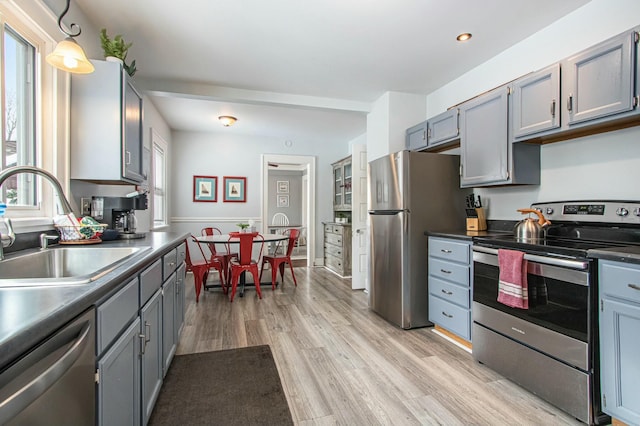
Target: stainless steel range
551, 348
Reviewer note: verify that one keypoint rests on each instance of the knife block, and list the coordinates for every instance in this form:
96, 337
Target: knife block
477, 223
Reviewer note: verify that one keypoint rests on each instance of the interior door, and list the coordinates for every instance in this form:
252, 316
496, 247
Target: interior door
359, 240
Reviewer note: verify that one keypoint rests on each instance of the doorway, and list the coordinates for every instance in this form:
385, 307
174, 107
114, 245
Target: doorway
305, 165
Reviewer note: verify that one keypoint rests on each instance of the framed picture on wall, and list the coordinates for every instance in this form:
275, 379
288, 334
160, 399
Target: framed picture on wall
283, 201
205, 189
283, 186
235, 189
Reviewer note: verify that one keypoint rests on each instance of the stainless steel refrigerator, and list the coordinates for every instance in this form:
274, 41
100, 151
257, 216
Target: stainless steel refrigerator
409, 193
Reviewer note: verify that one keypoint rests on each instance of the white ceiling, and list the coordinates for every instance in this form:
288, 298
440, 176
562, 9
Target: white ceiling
294, 69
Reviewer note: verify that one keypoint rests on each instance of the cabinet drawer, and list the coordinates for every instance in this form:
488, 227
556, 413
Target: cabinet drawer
334, 263
169, 263
449, 271
181, 253
449, 316
114, 314
450, 292
620, 280
333, 239
150, 281
333, 250
451, 250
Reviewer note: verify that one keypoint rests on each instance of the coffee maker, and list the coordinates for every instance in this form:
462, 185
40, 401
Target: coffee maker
119, 213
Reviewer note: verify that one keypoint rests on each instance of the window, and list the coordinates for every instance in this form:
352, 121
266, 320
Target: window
18, 106
34, 106
159, 173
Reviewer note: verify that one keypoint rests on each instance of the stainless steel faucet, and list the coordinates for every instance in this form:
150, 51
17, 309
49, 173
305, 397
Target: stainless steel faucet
8, 240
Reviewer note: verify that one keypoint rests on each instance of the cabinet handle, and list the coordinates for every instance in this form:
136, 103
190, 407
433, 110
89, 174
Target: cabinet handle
143, 343
444, 271
634, 286
570, 102
553, 108
445, 251
448, 293
128, 154
147, 328
428, 132
447, 315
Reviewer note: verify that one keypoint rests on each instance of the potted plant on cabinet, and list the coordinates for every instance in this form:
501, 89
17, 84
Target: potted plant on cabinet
117, 48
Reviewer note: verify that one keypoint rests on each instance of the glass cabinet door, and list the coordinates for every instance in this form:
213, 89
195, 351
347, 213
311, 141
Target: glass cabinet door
347, 185
337, 186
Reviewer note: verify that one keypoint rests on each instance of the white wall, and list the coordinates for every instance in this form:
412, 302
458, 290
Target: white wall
390, 116
221, 154
600, 166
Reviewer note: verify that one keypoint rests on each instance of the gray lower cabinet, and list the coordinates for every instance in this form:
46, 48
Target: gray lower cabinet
138, 329
337, 248
450, 272
619, 343
152, 361
535, 102
169, 325
119, 363
487, 155
119, 384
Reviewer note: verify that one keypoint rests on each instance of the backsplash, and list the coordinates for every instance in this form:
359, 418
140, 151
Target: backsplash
601, 166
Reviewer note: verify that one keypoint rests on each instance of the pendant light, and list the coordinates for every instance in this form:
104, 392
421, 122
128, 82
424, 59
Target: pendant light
68, 55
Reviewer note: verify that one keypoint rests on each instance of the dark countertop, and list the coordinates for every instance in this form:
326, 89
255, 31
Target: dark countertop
628, 254
30, 314
495, 227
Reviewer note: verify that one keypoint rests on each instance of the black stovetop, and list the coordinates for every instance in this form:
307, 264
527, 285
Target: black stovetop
567, 240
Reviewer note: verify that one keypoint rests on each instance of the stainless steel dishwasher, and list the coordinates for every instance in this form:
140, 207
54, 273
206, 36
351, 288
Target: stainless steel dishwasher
53, 384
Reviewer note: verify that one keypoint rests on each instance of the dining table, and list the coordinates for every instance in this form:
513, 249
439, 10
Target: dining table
213, 240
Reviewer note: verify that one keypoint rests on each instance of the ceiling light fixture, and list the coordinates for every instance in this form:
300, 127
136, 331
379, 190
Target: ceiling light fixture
227, 120
68, 55
463, 37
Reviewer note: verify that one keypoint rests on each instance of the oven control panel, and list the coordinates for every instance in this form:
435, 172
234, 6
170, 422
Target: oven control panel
591, 211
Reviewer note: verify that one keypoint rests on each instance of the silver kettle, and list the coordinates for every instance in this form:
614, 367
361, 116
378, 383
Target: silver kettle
530, 229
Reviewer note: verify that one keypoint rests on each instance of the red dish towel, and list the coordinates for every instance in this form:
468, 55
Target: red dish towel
513, 288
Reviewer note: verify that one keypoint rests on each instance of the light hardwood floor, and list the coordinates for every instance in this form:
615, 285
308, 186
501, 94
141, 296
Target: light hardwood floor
340, 363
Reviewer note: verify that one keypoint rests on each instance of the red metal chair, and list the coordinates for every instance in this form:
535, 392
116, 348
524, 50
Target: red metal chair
223, 257
244, 263
279, 262
200, 269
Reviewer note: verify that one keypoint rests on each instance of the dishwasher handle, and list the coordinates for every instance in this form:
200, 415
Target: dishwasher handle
21, 398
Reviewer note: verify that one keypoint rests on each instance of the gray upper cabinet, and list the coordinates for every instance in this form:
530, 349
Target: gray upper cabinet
106, 126
600, 80
487, 155
443, 128
535, 103
438, 131
484, 139
416, 137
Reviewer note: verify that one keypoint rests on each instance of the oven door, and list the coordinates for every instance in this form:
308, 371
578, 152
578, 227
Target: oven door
557, 321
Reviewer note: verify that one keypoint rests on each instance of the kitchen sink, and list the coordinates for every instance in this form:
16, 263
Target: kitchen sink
63, 265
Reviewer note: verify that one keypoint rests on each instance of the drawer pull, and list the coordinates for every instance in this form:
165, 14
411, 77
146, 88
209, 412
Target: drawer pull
448, 293
444, 271
445, 251
447, 315
634, 286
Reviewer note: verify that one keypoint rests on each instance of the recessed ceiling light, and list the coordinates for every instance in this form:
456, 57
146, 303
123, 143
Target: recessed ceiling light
227, 120
463, 37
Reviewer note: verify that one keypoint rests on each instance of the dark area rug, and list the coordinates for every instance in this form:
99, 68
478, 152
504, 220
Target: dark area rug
231, 387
